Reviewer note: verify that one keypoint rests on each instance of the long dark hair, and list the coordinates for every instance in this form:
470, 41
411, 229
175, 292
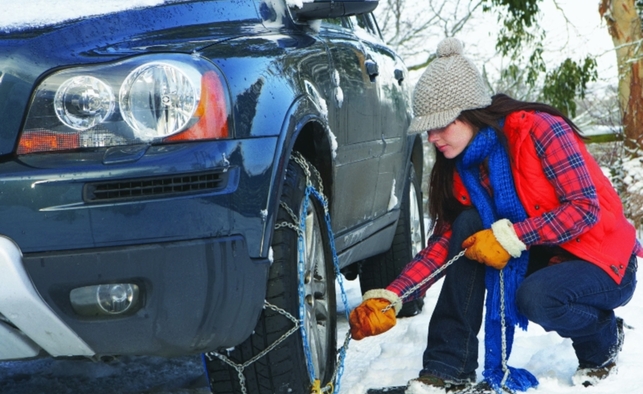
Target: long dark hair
443, 207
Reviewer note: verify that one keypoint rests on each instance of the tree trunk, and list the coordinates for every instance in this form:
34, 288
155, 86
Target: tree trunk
624, 24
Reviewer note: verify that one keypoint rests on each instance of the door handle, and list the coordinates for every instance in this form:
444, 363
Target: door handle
399, 75
372, 68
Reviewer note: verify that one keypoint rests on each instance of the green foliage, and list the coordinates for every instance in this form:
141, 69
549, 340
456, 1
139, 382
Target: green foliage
517, 19
523, 12
521, 40
568, 81
535, 66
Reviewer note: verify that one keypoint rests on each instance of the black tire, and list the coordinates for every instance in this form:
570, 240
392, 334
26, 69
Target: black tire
379, 271
285, 368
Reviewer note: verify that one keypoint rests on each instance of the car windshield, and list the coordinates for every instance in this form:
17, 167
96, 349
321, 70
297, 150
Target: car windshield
38, 14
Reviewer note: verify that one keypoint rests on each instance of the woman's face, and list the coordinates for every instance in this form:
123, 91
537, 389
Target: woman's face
452, 139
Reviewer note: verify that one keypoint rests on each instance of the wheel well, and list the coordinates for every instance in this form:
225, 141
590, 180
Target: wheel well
314, 144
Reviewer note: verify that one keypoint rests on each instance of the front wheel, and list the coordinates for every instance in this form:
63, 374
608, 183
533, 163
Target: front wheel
307, 282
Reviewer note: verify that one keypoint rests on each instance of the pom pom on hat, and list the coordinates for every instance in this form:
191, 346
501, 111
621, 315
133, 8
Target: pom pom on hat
450, 84
449, 46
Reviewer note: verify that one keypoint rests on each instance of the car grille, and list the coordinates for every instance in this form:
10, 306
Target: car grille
155, 187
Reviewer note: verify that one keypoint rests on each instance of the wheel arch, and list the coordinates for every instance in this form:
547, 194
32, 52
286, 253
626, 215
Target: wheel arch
314, 143
305, 129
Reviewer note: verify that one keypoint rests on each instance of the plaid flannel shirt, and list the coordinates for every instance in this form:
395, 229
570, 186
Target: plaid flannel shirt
557, 148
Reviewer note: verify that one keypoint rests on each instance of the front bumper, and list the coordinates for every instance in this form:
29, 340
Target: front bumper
195, 296
33, 324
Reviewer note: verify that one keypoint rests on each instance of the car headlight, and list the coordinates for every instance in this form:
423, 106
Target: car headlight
157, 100
150, 99
83, 102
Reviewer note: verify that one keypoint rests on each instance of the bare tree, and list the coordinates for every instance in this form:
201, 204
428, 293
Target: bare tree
407, 28
624, 24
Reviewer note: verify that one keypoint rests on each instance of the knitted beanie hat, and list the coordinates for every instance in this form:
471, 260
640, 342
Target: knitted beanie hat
450, 84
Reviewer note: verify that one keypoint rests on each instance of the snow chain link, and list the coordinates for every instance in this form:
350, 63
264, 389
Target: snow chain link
503, 326
298, 225
426, 280
240, 367
333, 384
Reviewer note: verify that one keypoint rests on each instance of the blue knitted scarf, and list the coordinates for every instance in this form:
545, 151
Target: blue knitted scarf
504, 204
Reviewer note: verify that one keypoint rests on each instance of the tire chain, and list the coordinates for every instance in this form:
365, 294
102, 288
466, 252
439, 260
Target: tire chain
329, 388
299, 159
240, 367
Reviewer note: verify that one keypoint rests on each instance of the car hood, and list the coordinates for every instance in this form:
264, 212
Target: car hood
26, 56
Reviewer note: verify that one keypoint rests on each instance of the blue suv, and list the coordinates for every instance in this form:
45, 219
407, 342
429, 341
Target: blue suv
190, 178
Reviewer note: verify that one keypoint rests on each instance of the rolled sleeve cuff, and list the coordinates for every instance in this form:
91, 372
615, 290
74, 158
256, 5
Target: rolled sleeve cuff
387, 295
504, 232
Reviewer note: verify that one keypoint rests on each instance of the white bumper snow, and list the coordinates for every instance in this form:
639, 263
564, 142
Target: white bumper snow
38, 327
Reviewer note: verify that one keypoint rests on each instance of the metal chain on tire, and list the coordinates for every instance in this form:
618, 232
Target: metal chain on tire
339, 370
298, 224
297, 322
240, 367
311, 172
313, 176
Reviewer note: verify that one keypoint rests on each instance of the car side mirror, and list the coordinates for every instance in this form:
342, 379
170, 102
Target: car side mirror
320, 9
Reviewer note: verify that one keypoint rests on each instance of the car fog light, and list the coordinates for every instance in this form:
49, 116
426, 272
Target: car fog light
108, 299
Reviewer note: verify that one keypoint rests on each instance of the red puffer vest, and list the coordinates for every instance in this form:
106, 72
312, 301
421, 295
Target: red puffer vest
609, 244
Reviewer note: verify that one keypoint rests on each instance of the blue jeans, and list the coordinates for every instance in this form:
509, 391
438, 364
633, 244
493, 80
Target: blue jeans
576, 299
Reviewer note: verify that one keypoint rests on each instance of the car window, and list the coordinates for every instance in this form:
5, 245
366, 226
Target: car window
367, 23
340, 22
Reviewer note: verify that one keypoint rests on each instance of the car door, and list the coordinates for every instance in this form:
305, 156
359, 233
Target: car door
354, 119
388, 74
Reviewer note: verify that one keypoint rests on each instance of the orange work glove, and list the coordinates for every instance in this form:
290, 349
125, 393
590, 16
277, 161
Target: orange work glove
495, 246
485, 248
368, 319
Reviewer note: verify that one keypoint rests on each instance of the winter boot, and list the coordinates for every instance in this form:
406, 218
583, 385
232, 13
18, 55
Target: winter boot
590, 376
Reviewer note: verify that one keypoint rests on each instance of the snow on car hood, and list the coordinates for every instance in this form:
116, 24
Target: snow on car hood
20, 15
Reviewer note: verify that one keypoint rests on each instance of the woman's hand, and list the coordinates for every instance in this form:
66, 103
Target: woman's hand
485, 248
368, 319
375, 315
495, 246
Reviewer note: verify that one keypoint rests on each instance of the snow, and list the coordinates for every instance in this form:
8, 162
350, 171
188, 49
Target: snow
25, 14
392, 202
395, 357
634, 178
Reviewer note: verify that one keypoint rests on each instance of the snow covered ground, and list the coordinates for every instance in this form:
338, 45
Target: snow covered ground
395, 357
